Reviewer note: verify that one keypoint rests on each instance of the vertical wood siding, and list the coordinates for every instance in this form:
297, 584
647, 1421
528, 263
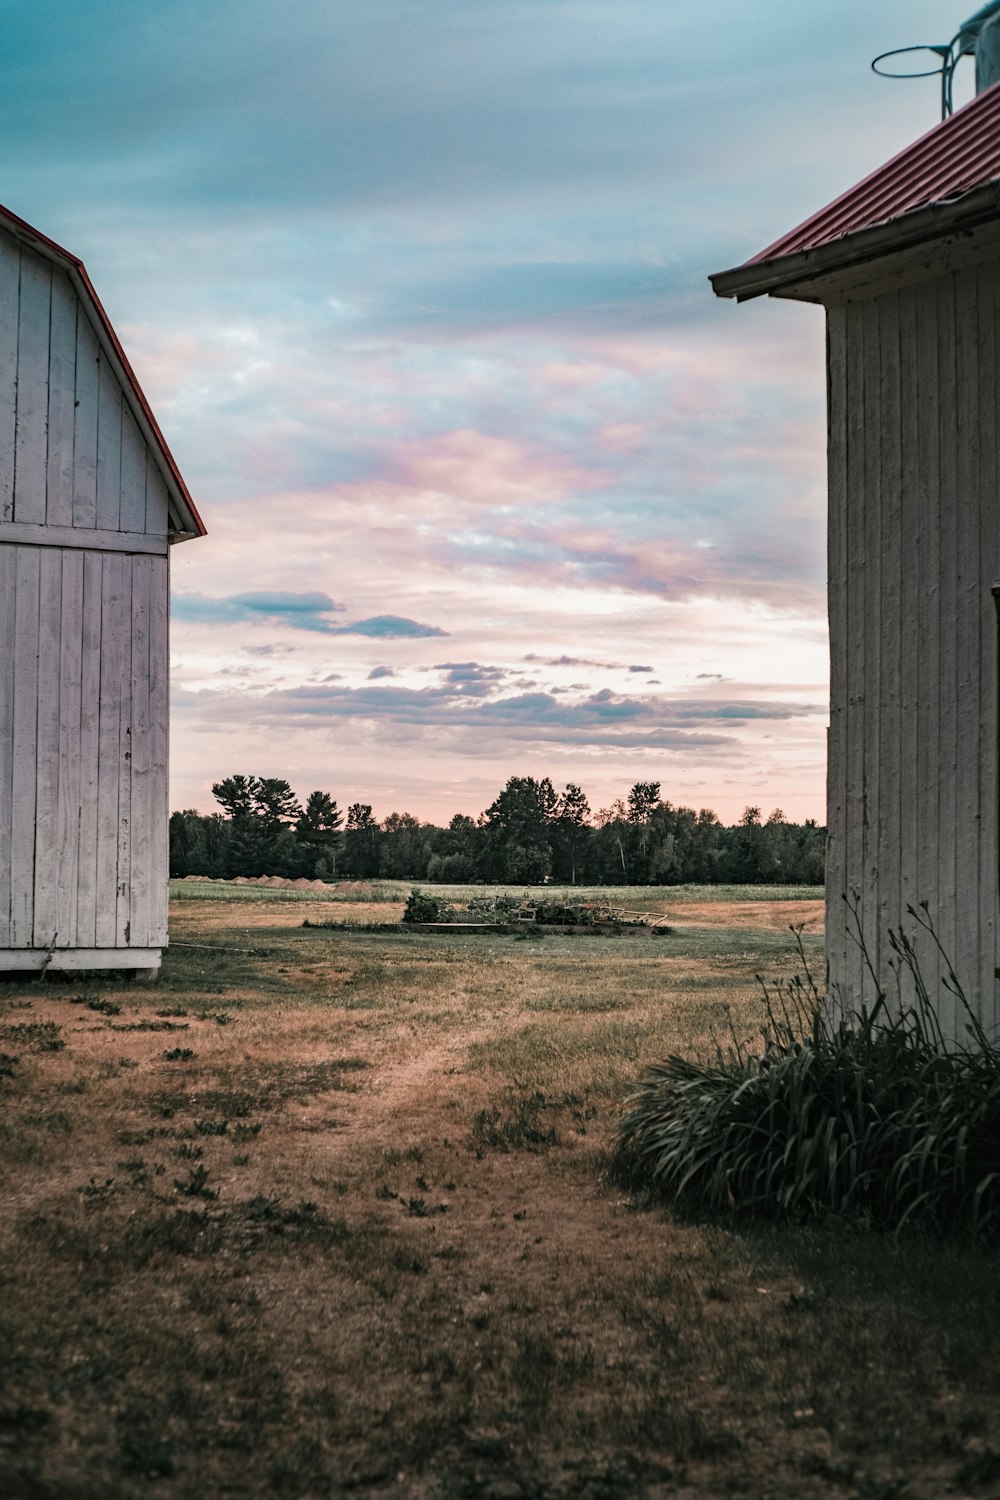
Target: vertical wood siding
83, 732
8, 600
836, 856
83, 635
158, 743
914, 551
10, 286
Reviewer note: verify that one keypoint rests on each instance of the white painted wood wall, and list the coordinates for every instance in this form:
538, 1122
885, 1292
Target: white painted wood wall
83, 640
914, 542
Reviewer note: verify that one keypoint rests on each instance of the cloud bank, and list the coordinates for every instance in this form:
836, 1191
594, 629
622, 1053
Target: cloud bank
419, 296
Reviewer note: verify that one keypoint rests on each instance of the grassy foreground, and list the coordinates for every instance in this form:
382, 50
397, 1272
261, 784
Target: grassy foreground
327, 1212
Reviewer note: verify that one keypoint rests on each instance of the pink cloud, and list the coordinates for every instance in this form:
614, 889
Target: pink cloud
622, 437
479, 466
572, 374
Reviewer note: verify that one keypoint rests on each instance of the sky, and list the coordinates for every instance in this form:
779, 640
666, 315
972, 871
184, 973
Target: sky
494, 485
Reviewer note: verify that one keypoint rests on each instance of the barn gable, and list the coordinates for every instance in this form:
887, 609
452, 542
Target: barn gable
79, 446
90, 502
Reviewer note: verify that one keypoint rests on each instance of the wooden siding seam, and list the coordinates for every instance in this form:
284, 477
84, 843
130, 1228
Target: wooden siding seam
12, 505
10, 282
17, 395
31, 426
92, 539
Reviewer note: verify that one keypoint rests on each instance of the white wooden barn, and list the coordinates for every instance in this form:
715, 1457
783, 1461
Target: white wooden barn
907, 266
90, 502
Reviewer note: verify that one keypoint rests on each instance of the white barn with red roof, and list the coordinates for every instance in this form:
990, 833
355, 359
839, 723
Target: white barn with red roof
907, 266
90, 503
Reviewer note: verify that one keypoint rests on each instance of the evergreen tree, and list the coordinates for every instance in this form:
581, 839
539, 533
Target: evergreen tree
571, 833
317, 831
405, 847
527, 833
237, 794
248, 844
518, 827
275, 805
643, 804
361, 841
260, 811
613, 843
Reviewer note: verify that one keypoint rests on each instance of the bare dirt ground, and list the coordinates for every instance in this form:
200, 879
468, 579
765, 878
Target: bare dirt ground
331, 1213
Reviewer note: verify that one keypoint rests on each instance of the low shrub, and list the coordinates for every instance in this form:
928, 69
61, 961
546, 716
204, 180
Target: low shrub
870, 1116
422, 907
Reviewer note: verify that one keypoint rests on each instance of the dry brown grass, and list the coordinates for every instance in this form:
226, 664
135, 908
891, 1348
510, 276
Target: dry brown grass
363, 1241
750, 914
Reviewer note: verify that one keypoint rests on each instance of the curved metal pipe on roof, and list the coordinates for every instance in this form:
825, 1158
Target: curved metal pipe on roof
977, 37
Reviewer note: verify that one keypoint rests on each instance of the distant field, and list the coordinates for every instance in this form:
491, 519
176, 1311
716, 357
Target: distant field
639, 897
329, 1213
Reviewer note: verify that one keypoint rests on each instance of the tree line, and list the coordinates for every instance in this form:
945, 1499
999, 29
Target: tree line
528, 835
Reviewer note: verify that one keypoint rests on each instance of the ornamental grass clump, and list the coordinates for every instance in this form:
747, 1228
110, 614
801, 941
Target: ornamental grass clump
871, 1115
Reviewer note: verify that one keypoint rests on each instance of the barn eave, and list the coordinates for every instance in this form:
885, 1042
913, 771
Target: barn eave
847, 263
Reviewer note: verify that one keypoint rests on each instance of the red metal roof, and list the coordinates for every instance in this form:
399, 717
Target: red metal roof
960, 154
84, 286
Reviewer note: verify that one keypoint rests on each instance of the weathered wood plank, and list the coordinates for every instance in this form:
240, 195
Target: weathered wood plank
855, 979
8, 599
157, 501
969, 612
62, 402
837, 462
61, 960
114, 626
71, 536
132, 517
159, 709
70, 759
88, 365
22, 831
47, 873
10, 295
926, 440
143, 814
109, 449
90, 723
870, 662
989, 531
31, 438
944, 901
125, 739
889, 831
912, 522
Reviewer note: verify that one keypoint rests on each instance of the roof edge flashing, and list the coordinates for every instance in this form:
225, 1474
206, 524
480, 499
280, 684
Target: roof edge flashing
932, 221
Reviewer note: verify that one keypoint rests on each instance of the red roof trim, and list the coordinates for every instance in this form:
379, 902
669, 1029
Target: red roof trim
77, 268
956, 156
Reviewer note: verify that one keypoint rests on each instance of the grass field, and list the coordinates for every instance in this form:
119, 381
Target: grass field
328, 1212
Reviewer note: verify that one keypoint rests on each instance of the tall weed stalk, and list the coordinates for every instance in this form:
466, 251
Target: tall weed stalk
870, 1115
